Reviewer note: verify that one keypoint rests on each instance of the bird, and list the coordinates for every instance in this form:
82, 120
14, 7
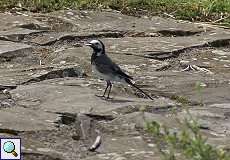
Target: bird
108, 70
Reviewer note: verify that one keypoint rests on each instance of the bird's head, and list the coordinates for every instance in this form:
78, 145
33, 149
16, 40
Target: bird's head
97, 46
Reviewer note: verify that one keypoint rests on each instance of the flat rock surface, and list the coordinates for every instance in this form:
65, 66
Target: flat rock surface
9, 49
113, 21
49, 96
14, 20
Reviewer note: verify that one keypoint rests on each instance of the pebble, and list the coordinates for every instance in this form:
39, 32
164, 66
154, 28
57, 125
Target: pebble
62, 62
151, 145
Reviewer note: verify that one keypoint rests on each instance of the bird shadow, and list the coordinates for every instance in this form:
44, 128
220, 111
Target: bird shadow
119, 100
114, 100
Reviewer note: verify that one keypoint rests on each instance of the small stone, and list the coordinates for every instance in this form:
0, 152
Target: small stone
62, 62
151, 145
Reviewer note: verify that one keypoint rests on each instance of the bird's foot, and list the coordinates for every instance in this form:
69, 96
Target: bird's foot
109, 98
101, 96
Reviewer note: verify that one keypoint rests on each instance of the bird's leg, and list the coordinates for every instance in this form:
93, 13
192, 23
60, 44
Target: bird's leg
107, 83
104, 91
110, 87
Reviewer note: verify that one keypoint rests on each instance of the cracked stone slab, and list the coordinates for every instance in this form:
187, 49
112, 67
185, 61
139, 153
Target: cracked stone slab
51, 38
128, 145
47, 39
162, 47
58, 73
12, 20
207, 58
25, 119
22, 74
215, 88
113, 21
162, 83
130, 63
16, 34
60, 95
11, 49
150, 47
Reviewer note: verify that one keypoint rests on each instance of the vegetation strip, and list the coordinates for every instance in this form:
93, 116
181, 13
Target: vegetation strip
214, 11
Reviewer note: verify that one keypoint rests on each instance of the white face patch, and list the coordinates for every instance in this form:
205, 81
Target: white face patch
97, 44
94, 41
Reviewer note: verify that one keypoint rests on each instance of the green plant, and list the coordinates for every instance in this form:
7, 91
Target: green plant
186, 142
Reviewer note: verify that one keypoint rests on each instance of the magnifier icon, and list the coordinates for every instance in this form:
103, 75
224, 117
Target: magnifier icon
9, 147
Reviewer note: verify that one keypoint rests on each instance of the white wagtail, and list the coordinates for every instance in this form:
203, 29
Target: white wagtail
106, 69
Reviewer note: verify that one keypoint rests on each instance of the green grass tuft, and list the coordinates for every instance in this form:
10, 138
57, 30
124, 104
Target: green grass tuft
199, 10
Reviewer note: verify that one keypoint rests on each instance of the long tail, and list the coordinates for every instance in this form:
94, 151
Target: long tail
129, 82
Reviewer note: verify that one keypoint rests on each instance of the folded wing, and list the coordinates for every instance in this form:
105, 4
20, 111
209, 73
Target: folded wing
106, 66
